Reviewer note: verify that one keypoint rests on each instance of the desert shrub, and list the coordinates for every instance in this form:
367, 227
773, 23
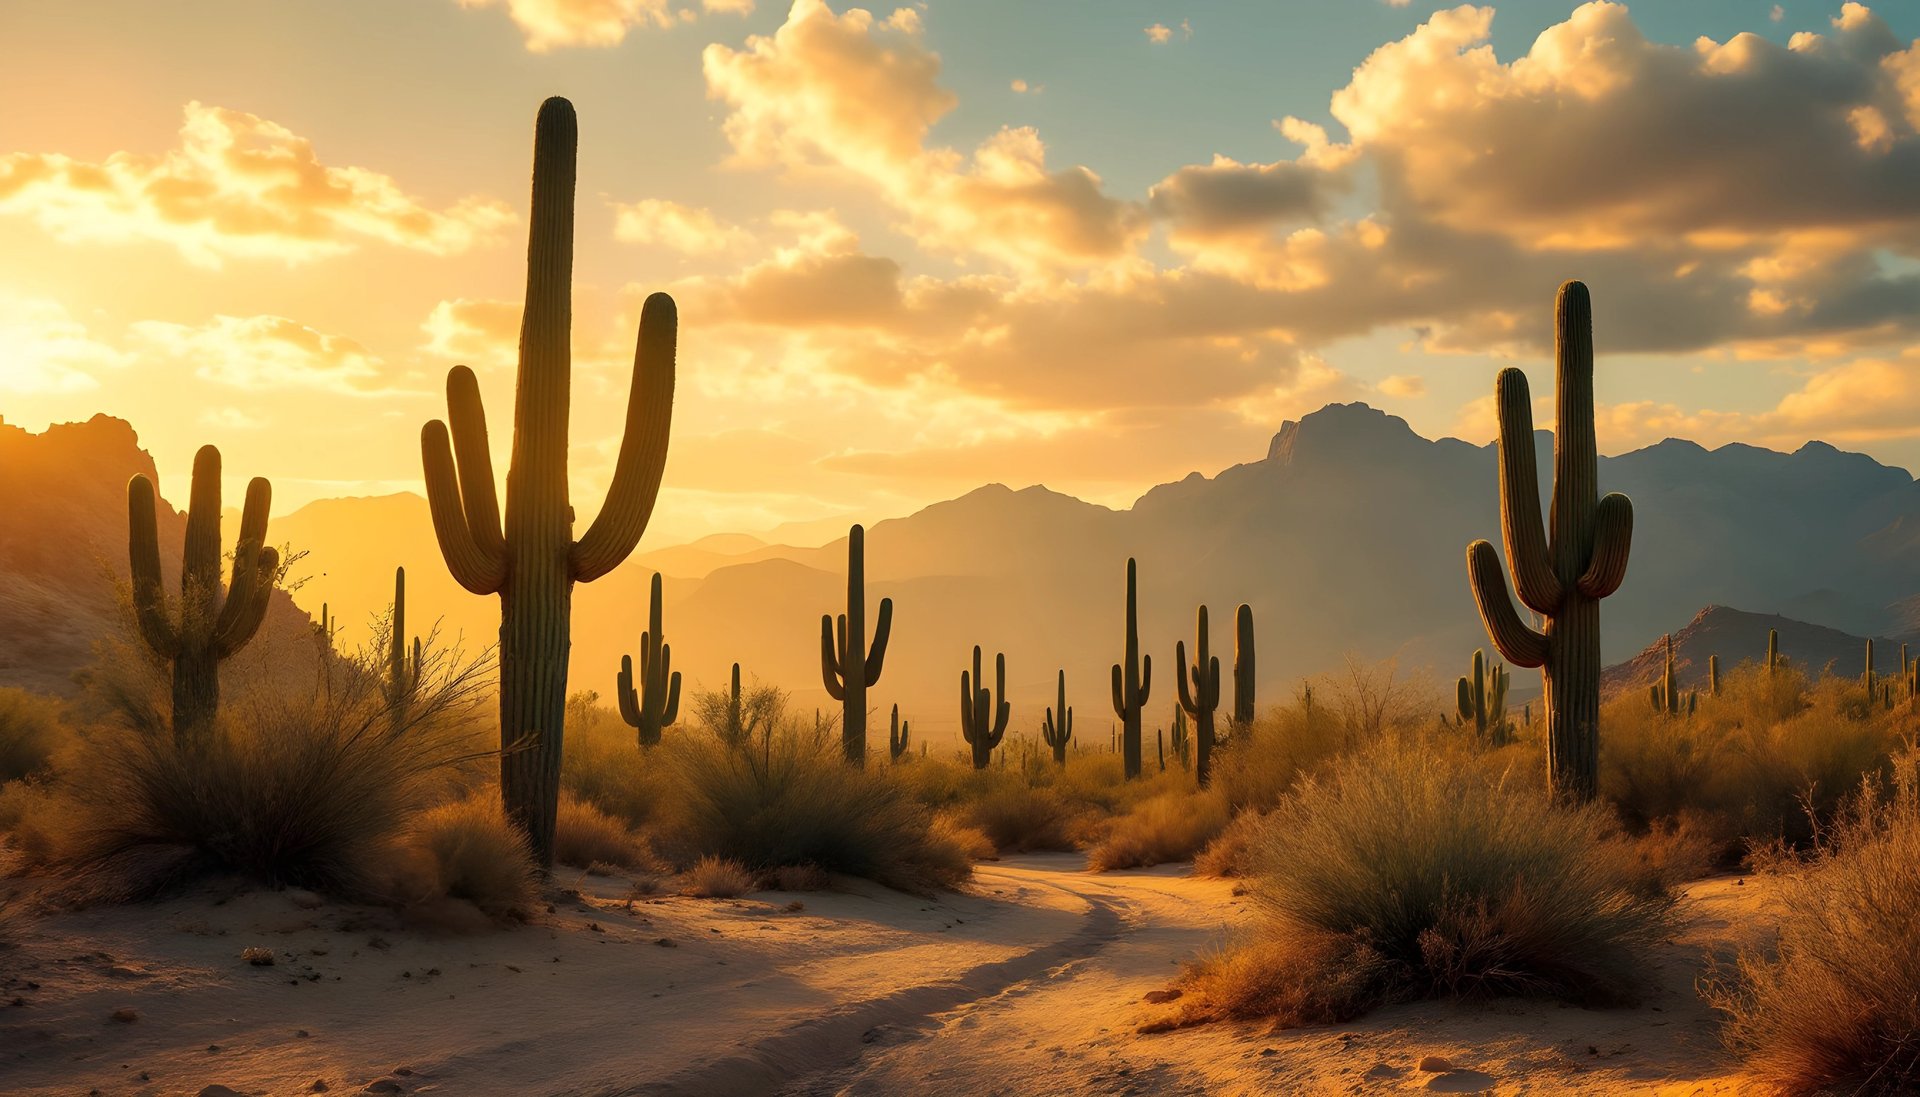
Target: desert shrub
31, 729
958, 844
716, 878
1835, 1003
1400, 873
585, 836
475, 854
1017, 818
1230, 852
604, 766
1169, 827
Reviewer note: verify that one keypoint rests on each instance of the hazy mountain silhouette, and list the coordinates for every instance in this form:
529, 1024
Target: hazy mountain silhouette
1348, 535
1738, 637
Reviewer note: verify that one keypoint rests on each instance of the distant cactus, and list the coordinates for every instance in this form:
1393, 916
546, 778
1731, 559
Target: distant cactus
402, 681
1481, 699
1199, 701
1563, 579
740, 718
1160, 747
1132, 683
651, 703
897, 733
1871, 691
1057, 726
1180, 739
1713, 675
982, 723
1664, 695
324, 628
847, 665
1243, 688
534, 563
1773, 650
207, 629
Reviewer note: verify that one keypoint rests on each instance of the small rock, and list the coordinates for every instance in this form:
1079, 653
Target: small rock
666, 942
302, 1033
304, 899
1435, 1064
125, 1015
384, 1085
1161, 997
404, 1072
319, 1085
1460, 1081
257, 956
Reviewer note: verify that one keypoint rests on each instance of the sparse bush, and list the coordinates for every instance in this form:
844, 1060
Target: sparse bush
1835, 1004
1169, 827
1017, 818
476, 854
585, 836
716, 878
31, 729
1231, 851
604, 765
1401, 874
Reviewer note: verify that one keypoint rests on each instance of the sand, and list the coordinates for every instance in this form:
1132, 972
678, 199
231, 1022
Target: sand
1031, 982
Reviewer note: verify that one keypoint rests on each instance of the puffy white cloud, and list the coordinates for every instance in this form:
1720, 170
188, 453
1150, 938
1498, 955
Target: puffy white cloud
690, 230
238, 186
261, 353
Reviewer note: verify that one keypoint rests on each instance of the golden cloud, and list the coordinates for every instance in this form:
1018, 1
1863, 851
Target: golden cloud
689, 230
43, 349
263, 353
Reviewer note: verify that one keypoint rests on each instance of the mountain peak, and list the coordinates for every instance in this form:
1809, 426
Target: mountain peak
1339, 430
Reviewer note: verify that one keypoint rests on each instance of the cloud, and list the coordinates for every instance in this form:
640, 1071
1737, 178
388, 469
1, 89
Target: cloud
474, 332
1160, 34
689, 230
236, 187
44, 350
1405, 386
262, 353
555, 24
855, 96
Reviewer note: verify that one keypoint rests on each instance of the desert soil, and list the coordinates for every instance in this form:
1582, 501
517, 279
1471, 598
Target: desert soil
1032, 982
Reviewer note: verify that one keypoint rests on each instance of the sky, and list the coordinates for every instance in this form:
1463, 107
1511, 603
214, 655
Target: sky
1096, 244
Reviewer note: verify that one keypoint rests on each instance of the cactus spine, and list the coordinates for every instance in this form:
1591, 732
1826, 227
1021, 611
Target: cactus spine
847, 665
207, 629
1482, 698
654, 704
403, 675
533, 564
1562, 579
1057, 726
896, 737
1132, 682
1199, 701
1243, 666
982, 723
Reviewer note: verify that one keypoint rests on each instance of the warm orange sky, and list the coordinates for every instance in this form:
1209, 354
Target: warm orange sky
273, 226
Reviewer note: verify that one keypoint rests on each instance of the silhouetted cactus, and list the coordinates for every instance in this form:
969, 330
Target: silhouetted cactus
207, 628
402, 680
1132, 683
1180, 739
1243, 688
653, 703
982, 723
847, 665
324, 628
1563, 579
1057, 726
1773, 650
1199, 701
1664, 695
897, 733
739, 720
1870, 680
533, 563
1480, 698
1713, 675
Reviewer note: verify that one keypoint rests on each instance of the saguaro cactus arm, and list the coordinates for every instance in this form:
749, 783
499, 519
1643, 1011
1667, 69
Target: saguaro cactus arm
1612, 540
643, 448
149, 600
832, 656
254, 568
882, 631
460, 491
1519, 643
1520, 524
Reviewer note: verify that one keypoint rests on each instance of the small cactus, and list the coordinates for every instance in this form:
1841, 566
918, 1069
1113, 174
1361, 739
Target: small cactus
1713, 675
1664, 695
1057, 726
1871, 691
982, 723
653, 704
1773, 650
1200, 701
896, 737
1243, 666
1132, 682
1180, 739
402, 679
1481, 697
740, 721
207, 629
847, 665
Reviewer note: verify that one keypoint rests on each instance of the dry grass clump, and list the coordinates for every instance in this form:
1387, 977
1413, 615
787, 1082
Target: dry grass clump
1835, 1004
474, 854
584, 836
1169, 827
31, 729
716, 878
604, 766
1017, 818
1231, 851
1400, 874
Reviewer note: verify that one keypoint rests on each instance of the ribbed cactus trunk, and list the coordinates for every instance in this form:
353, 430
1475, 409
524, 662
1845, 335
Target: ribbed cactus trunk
1199, 701
847, 666
650, 701
983, 723
1243, 690
1056, 728
534, 563
1562, 579
1132, 682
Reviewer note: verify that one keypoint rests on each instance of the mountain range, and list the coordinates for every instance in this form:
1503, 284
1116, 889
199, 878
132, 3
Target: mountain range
1347, 536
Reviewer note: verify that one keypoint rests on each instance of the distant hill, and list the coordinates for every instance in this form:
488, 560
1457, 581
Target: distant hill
1347, 535
1739, 637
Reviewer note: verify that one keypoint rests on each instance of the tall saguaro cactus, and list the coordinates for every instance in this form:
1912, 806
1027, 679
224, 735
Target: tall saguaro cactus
653, 704
1057, 726
1132, 682
403, 675
847, 665
533, 563
1482, 698
207, 629
1664, 695
982, 723
1243, 666
1562, 579
1199, 701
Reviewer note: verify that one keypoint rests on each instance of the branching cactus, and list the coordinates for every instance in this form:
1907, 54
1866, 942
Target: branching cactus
1562, 579
1243, 695
1199, 700
1664, 695
897, 734
1057, 726
1481, 698
402, 680
847, 665
653, 704
1132, 683
1180, 739
982, 723
534, 561
207, 628
323, 629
